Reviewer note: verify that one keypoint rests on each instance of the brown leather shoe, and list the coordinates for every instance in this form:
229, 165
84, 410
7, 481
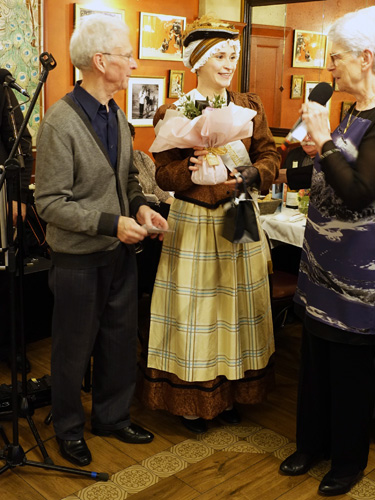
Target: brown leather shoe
75, 451
134, 434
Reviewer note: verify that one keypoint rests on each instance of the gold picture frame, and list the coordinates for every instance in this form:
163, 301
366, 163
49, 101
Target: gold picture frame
160, 36
176, 83
345, 106
145, 94
309, 49
81, 11
296, 89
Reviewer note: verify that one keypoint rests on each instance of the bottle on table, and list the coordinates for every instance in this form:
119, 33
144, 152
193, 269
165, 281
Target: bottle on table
292, 194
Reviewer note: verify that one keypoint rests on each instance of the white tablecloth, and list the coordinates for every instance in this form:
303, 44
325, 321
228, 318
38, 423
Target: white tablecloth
285, 226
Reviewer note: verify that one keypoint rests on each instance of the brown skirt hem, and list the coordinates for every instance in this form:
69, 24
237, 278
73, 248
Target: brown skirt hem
160, 390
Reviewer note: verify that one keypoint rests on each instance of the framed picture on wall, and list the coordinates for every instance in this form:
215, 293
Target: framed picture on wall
144, 95
345, 106
161, 37
81, 11
309, 49
176, 82
296, 90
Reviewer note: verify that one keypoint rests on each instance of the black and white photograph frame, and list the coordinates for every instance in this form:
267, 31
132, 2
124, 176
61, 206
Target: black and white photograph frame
81, 11
144, 96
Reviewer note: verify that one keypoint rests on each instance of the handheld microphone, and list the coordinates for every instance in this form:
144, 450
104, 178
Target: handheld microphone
320, 94
7, 78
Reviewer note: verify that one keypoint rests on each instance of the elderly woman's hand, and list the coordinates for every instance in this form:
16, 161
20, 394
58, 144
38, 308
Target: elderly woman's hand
315, 117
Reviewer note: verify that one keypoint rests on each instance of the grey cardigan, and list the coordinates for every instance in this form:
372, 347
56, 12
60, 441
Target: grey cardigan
78, 193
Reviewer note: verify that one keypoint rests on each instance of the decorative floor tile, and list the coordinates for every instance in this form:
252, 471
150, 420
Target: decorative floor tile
135, 478
192, 451
102, 491
364, 490
285, 451
243, 447
243, 430
320, 469
267, 440
219, 439
71, 497
164, 464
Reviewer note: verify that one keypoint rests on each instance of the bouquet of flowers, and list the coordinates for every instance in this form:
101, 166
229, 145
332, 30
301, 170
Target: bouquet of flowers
208, 125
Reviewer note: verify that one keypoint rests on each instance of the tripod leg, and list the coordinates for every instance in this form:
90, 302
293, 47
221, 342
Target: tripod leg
99, 476
47, 458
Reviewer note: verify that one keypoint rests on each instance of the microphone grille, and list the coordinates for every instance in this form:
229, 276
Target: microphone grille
321, 93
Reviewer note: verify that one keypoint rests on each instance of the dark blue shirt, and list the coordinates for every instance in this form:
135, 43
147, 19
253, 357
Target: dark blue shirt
104, 122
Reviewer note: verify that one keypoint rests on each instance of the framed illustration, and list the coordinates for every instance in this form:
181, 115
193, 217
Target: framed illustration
21, 40
345, 106
296, 90
309, 49
161, 37
176, 82
144, 95
81, 11
308, 88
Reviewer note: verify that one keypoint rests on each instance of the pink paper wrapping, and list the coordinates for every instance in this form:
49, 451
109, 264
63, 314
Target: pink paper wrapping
213, 128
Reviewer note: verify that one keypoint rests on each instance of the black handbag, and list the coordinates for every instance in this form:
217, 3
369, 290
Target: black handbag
240, 223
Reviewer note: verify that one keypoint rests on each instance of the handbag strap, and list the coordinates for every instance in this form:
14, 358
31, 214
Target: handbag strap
241, 186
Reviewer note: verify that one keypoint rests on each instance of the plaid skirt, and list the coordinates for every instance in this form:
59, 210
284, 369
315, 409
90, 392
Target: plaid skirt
210, 311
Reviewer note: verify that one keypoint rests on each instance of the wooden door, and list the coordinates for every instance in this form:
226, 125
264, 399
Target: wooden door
266, 74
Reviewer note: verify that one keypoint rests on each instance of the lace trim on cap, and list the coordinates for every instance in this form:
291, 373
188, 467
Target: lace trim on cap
202, 61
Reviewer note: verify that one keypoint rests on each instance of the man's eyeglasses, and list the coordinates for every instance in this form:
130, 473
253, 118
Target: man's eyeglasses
125, 56
335, 54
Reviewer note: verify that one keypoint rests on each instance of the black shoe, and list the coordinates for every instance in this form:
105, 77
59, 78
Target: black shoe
297, 464
131, 434
331, 485
230, 416
76, 451
196, 425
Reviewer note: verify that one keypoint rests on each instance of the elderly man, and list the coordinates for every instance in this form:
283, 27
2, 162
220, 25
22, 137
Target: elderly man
87, 192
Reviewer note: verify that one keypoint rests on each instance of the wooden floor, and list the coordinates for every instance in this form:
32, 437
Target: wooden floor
233, 462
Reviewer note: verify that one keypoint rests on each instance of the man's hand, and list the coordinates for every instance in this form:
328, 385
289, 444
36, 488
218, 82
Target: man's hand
149, 217
128, 231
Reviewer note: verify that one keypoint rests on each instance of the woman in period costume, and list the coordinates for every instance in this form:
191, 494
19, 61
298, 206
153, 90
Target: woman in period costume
336, 286
211, 337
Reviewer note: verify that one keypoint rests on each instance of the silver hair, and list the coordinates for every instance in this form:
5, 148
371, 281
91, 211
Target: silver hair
355, 31
96, 33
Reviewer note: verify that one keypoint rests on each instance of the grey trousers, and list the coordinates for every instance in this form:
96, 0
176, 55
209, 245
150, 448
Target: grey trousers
95, 313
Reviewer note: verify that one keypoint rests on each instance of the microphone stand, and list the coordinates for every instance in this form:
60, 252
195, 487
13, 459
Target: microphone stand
12, 453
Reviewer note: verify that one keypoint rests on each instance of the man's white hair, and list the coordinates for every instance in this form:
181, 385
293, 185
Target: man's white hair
96, 33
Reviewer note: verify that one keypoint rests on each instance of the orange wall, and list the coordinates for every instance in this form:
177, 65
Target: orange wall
58, 27
309, 16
